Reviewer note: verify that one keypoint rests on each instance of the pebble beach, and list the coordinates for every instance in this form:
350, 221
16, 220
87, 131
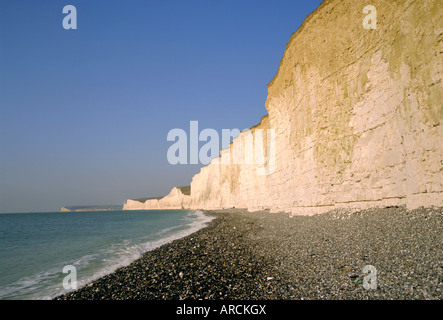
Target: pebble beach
265, 256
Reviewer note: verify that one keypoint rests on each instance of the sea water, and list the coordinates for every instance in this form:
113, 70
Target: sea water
35, 247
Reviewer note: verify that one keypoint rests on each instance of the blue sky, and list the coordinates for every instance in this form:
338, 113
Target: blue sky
84, 114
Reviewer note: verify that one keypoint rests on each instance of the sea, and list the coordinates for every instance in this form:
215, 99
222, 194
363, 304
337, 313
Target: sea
43, 255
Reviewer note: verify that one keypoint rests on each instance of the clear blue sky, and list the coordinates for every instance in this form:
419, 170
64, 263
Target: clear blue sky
84, 114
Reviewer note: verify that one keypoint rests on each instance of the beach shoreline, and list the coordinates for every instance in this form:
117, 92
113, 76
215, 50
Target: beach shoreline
264, 256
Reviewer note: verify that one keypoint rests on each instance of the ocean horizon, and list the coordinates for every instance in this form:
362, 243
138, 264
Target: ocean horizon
36, 247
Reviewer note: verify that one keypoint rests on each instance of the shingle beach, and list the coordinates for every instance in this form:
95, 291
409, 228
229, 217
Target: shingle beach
262, 255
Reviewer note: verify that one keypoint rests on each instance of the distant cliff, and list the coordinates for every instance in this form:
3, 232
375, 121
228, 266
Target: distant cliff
178, 198
90, 208
357, 115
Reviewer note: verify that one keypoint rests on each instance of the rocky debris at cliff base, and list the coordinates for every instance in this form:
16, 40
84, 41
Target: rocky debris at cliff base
273, 256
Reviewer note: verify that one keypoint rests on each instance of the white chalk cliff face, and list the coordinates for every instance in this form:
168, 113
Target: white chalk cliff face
178, 198
357, 116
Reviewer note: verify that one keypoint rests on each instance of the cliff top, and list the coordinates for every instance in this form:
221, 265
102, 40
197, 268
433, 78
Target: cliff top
295, 34
186, 190
146, 199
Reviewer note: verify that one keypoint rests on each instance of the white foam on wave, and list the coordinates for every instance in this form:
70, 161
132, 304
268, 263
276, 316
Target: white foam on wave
121, 255
47, 284
28, 287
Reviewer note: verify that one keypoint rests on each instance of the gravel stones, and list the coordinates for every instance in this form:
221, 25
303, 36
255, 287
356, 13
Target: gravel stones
242, 255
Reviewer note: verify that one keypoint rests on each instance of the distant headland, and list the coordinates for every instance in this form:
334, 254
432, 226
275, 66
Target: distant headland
90, 208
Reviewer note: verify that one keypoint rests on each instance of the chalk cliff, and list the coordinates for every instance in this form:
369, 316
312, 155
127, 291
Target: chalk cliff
356, 116
178, 198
